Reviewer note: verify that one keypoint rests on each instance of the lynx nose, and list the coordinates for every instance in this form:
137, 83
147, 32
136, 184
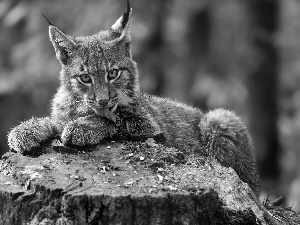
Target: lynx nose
102, 103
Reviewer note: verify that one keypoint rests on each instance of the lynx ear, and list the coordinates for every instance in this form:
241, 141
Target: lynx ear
63, 44
122, 25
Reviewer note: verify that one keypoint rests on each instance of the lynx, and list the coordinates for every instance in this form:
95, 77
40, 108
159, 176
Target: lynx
99, 98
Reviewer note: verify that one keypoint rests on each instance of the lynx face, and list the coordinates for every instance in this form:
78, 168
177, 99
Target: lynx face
98, 69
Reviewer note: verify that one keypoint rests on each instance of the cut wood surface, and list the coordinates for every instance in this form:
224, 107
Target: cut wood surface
122, 183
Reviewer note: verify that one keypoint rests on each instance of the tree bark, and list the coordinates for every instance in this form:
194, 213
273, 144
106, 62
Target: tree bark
122, 183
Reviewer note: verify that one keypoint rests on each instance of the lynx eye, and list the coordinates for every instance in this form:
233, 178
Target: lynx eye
113, 74
85, 79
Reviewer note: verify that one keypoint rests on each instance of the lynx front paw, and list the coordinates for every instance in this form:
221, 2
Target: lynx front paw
30, 134
86, 132
73, 134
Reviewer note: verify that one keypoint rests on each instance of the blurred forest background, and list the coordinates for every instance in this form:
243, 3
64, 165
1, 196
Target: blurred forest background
243, 55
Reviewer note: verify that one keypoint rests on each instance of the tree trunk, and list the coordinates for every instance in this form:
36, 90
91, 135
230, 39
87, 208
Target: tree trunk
263, 87
129, 183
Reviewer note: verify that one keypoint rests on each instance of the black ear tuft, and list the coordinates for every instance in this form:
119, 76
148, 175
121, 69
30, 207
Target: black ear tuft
122, 26
126, 15
128, 6
47, 20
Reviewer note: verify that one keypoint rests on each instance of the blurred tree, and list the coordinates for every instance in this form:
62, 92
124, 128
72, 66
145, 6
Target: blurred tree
198, 41
155, 48
263, 86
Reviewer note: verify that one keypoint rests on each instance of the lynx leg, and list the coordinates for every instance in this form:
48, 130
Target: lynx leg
87, 131
225, 137
143, 128
30, 134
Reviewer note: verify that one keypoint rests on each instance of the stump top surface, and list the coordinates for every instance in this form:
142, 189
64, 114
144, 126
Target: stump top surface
136, 169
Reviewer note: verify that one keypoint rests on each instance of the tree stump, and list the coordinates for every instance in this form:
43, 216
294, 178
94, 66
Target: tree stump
122, 183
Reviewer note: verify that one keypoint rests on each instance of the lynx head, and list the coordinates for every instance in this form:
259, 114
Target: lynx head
98, 69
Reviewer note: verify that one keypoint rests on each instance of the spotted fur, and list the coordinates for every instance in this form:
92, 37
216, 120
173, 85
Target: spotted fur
99, 98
